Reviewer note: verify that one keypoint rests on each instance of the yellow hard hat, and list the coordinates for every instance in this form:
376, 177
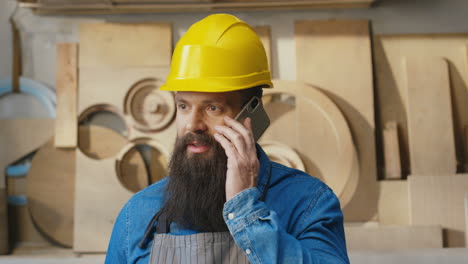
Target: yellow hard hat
220, 53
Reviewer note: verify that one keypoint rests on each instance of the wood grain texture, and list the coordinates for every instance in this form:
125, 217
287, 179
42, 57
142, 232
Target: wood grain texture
66, 130
96, 208
439, 200
392, 151
125, 45
50, 191
391, 94
305, 112
387, 238
466, 219
430, 121
264, 33
335, 56
394, 203
17, 140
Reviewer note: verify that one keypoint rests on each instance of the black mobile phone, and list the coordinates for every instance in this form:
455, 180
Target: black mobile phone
260, 120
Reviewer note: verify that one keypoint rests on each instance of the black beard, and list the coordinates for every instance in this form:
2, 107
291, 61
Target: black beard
196, 191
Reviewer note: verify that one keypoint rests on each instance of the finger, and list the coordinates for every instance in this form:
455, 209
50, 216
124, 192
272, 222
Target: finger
244, 131
233, 136
227, 145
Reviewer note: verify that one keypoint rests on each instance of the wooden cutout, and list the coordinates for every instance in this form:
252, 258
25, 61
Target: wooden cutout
391, 94
335, 56
393, 203
392, 151
439, 200
91, 143
96, 207
264, 32
385, 238
16, 140
66, 130
315, 118
125, 45
50, 191
430, 122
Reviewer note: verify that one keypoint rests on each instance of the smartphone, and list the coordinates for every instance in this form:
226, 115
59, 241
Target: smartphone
260, 120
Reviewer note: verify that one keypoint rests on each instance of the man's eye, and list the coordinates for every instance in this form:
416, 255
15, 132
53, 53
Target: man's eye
182, 106
214, 108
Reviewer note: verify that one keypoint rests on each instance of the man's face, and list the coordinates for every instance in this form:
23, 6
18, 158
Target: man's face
198, 113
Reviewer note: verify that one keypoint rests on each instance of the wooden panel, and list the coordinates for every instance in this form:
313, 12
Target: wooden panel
17, 140
50, 190
125, 45
430, 122
393, 203
389, 51
299, 111
372, 238
438, 200
335, 56
466, 219
264, 33
67, 95
96, 208
392, 151
466, 148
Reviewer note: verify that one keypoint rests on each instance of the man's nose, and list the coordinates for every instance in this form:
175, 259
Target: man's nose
196, 123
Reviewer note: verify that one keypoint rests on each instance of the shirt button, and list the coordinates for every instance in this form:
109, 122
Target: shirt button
247, 251
231, 216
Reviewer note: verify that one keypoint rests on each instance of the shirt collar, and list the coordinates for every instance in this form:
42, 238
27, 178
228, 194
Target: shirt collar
265, 170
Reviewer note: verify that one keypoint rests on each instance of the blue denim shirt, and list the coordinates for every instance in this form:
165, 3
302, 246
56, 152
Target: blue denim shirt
300, 220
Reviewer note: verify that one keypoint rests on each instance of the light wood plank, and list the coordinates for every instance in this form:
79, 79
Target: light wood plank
392, 151
393, 203
335, 55
439, 200
264, 32
66, 130
125, 45
388, 238
391, 94
430, 121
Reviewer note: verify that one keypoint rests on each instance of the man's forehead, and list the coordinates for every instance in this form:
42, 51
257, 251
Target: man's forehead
226, 97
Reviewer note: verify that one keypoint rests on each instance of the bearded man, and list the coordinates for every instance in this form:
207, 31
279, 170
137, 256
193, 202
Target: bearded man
224, 201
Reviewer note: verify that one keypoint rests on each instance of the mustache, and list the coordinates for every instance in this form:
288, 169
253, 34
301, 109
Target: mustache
202, 138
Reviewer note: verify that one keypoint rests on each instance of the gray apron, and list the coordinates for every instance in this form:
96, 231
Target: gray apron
201, 248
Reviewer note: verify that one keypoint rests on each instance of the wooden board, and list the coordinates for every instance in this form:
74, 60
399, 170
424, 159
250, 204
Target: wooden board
264, 32
392, 151
125, 45
439, 200
17, 140
466, 219
391, 94
387, 238
96, 207
430, 122
50, 191
335, 56
307, 113
66, 130
393, 203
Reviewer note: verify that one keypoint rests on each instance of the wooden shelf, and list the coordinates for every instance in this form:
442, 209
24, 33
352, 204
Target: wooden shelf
51, 7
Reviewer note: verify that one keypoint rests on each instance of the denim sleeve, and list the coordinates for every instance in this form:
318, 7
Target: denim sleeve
257, 230
118, 250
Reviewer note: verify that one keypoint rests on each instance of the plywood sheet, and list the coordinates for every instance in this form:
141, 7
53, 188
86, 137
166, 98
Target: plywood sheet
264, 32
96, 208
393, 202
17, 140
391, 94
430, 122
387, 238
392, 151
125, 45
439, 200
50, 191
66, 131
306, 112
335, 56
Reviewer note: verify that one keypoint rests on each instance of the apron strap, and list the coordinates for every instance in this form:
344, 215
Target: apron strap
149, 231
